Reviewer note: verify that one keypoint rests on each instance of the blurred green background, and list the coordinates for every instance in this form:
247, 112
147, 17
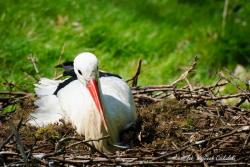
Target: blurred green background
165, 34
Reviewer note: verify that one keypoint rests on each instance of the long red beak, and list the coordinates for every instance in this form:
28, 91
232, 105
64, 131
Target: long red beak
92, 86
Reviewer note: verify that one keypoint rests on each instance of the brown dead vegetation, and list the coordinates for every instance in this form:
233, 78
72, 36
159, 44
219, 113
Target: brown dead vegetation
179, 126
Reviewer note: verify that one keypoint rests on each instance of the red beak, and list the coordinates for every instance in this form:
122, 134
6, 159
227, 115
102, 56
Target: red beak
92, 86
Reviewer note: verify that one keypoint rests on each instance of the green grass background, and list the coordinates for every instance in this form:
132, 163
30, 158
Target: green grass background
165, 34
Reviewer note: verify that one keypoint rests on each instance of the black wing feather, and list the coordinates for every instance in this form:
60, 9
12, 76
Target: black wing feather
67, 66
107, 74
63, 84
69, 71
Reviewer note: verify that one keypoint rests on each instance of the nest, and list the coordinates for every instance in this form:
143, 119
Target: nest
180, 124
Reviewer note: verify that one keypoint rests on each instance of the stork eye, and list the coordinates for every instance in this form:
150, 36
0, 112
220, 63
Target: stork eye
79, 72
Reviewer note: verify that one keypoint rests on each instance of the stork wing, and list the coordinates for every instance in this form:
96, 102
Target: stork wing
108, 74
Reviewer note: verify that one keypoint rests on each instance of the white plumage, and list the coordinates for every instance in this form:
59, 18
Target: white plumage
49, 108
96, 107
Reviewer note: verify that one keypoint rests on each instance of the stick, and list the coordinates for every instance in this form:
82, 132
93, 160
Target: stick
86, 141
169, 154
59, 143
7, 153
185, 74
6, 141
134, 79
4, 92
240, 130
199, 157
11, 135
59, 62
216, 98
246, 141
33, 61
19, 144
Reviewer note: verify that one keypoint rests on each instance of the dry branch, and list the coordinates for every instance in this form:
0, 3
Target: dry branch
134, 79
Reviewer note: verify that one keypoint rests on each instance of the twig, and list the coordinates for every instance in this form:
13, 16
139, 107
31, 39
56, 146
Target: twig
99, 152
58, 77
134, 79
33, 61
6, 141
169, 154
4, 92
59, 62
12, 134
143, 163
19, 144
6, 153
211, 148
59, 143
216, 98
86, 141
185, 74
240, 130
145, 97
246, 141
199, 157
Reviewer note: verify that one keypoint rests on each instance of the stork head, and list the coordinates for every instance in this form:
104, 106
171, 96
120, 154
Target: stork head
86, 69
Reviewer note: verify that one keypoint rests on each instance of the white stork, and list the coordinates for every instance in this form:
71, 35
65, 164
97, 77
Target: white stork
96, 106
